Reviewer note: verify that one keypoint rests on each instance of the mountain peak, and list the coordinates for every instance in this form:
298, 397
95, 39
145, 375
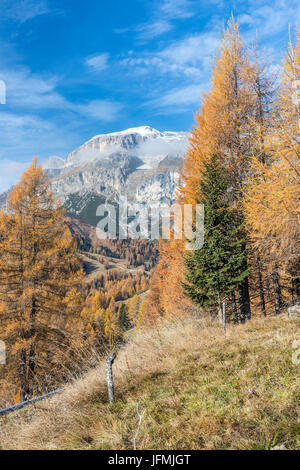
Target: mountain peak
143, 142
144, 131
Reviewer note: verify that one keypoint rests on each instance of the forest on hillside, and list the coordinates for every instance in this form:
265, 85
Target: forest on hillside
243, 164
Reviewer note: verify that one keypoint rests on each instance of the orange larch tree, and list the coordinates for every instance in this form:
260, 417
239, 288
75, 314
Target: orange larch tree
224, 125
272, 200
40, 278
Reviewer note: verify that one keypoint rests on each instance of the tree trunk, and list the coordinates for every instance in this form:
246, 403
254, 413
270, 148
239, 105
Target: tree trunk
261, 288
22, 375
277, 292
245, 309
31, 373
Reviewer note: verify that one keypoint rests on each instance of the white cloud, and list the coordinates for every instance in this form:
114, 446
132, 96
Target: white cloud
10, 120
189, 57
104, 110
191, 50
179, 97
10, 172
25, 89
23, 10
270, 18
178, 9
152, 30
164, 12
98, 62
26, 135
20, 133
161, 146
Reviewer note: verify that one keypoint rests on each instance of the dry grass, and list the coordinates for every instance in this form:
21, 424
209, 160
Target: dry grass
200, 389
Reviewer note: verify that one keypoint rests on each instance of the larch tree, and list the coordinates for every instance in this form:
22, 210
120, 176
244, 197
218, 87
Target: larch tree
272, 201
224, 126
264, 87
40, 278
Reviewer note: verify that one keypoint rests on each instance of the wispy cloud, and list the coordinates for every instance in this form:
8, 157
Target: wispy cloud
152, 30
179, 97
23, 10
28, 91
192, 50
28, 125
166, 68
10, 171
25, 89
189, 57
103, 110
181, 9
21, 133
271, 18
164, 13
97, 63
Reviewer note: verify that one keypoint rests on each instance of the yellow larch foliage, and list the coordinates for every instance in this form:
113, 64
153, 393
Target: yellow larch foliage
224, 125
272, 202
40, 277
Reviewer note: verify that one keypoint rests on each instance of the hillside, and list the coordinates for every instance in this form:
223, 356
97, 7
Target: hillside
233, 391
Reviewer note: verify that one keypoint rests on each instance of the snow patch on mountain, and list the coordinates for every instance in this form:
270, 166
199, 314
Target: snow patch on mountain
139, 163
146, 143
54, 163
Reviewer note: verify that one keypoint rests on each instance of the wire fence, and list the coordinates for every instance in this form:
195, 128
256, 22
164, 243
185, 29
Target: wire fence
19, 406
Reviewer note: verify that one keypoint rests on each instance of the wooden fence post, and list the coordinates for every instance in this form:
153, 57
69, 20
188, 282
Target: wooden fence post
224, 314
109, 377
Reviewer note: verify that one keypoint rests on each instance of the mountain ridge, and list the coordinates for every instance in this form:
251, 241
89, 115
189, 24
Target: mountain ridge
138, 163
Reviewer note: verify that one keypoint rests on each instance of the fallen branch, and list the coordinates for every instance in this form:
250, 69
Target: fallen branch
140, 415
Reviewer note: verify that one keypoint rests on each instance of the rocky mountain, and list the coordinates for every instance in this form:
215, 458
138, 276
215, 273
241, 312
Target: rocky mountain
140, 164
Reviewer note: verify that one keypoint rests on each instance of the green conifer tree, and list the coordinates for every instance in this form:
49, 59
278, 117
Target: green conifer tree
123, 317
216, 270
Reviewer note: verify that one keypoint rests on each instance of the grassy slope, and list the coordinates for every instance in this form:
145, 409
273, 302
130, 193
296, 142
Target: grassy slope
194, 383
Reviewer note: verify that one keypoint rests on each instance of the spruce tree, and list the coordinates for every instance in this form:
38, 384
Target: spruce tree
216, 270
123, 317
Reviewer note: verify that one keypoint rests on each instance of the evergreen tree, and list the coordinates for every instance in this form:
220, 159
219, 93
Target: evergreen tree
216, 270
123, 317
224, 125
111, 324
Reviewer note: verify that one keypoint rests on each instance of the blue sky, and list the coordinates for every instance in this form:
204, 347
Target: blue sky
75, 69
